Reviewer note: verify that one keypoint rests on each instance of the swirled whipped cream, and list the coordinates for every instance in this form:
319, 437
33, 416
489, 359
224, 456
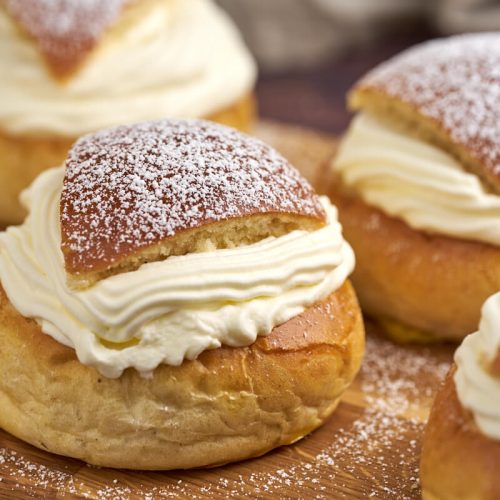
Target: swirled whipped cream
477, 389
184, 58
166, 311
408, 178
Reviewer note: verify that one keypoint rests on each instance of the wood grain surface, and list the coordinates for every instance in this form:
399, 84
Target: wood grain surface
368, 449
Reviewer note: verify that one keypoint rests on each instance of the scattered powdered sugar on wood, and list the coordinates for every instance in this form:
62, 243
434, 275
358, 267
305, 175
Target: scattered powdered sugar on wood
455, 81
132, 186
65, 30
30, 477
371, 453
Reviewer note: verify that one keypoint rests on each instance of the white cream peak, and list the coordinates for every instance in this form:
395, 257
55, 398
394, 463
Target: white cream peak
477, 389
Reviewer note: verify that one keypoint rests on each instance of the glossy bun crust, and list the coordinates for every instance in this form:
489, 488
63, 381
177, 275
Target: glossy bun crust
458, 462
229, 404
433, 283
23, 158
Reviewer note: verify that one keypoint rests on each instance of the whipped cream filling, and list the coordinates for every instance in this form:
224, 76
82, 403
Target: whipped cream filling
166, 311
184, 58
417, 182
477, 389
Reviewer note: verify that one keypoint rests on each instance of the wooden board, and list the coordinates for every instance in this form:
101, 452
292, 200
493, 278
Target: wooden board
368, 449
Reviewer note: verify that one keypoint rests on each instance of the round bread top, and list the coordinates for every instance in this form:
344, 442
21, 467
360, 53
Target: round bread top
65, 30
130, 187
455, 82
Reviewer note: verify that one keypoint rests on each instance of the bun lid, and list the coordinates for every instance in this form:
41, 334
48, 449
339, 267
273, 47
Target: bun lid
66, 31
448, 91
139, 193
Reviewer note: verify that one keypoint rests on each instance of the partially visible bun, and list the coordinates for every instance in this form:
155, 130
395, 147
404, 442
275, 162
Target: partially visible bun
229, 404
434, 283
422, 281
458, 461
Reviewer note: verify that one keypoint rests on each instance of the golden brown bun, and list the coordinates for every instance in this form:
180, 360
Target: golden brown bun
458, 461
22, 158
229, 404
446, 91
434, 283
140, 193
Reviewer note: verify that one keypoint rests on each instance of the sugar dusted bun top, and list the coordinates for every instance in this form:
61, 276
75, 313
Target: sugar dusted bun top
66, 31
447, 90
140, 193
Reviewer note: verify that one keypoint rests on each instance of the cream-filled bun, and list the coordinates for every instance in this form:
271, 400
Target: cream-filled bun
417, 184
177, 297
461, 448
72, 67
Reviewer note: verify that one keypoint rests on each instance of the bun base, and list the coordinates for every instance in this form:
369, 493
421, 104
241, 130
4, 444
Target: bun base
23, 158
229, 404
458, 461
433, 283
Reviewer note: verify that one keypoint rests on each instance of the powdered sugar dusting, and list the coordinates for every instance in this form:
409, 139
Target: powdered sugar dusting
66, 30
358, 454
455, 81
129, 187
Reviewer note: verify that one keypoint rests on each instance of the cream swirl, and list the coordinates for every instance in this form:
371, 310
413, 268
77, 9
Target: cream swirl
408, 178
184, 58
166, 311
477, 389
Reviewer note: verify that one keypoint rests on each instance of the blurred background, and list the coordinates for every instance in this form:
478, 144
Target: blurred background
311, 51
